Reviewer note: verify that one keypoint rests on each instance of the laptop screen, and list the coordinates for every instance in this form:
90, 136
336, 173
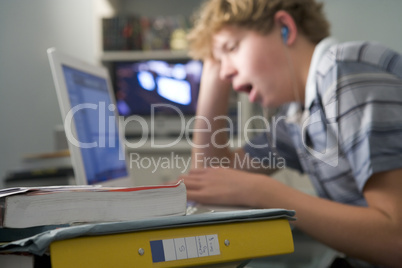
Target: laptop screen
96, 126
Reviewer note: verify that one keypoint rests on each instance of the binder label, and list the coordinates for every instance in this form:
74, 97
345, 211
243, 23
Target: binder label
184, 248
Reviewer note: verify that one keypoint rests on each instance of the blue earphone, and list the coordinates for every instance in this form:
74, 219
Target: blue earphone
285, 32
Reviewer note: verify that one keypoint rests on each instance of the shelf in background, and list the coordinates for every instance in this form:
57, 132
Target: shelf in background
143, 55
170, 144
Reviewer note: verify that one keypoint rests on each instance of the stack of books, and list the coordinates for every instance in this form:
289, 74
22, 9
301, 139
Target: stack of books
28, 211
95, 226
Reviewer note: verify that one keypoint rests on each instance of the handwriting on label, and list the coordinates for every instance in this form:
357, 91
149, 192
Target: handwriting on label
185, 248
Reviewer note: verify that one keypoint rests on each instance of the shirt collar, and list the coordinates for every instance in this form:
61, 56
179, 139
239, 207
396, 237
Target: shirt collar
320, 49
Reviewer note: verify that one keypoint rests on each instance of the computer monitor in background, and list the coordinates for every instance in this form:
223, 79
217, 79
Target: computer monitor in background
159, 91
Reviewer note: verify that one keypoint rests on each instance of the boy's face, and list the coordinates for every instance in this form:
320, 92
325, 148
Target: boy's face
255, 64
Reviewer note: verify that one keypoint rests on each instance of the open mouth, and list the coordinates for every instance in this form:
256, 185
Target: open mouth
250, 90
244, 88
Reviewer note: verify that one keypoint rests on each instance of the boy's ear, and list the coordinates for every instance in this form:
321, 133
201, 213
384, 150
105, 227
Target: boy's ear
287, 25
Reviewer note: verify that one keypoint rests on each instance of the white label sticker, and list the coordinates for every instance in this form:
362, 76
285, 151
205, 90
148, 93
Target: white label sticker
185, 248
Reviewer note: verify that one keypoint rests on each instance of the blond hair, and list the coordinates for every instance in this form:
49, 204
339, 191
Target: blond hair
255, 15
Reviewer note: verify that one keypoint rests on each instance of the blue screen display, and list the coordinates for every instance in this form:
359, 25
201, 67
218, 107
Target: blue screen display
141, 84
96, 126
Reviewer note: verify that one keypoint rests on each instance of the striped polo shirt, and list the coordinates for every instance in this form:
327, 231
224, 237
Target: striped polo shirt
351, 124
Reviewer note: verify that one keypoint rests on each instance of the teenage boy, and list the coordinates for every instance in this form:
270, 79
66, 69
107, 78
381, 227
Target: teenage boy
341, 107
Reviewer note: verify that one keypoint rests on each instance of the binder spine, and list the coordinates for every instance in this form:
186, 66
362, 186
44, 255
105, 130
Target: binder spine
177, 247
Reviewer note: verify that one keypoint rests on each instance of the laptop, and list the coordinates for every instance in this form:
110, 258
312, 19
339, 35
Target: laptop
91, 123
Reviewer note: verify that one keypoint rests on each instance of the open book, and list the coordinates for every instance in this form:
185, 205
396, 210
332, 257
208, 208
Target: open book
38, 206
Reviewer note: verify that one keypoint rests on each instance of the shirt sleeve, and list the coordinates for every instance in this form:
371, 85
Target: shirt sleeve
369, 114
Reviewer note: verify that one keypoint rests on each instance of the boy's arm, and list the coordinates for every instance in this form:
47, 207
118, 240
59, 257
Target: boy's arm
208, 137
210, 144
372, 233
